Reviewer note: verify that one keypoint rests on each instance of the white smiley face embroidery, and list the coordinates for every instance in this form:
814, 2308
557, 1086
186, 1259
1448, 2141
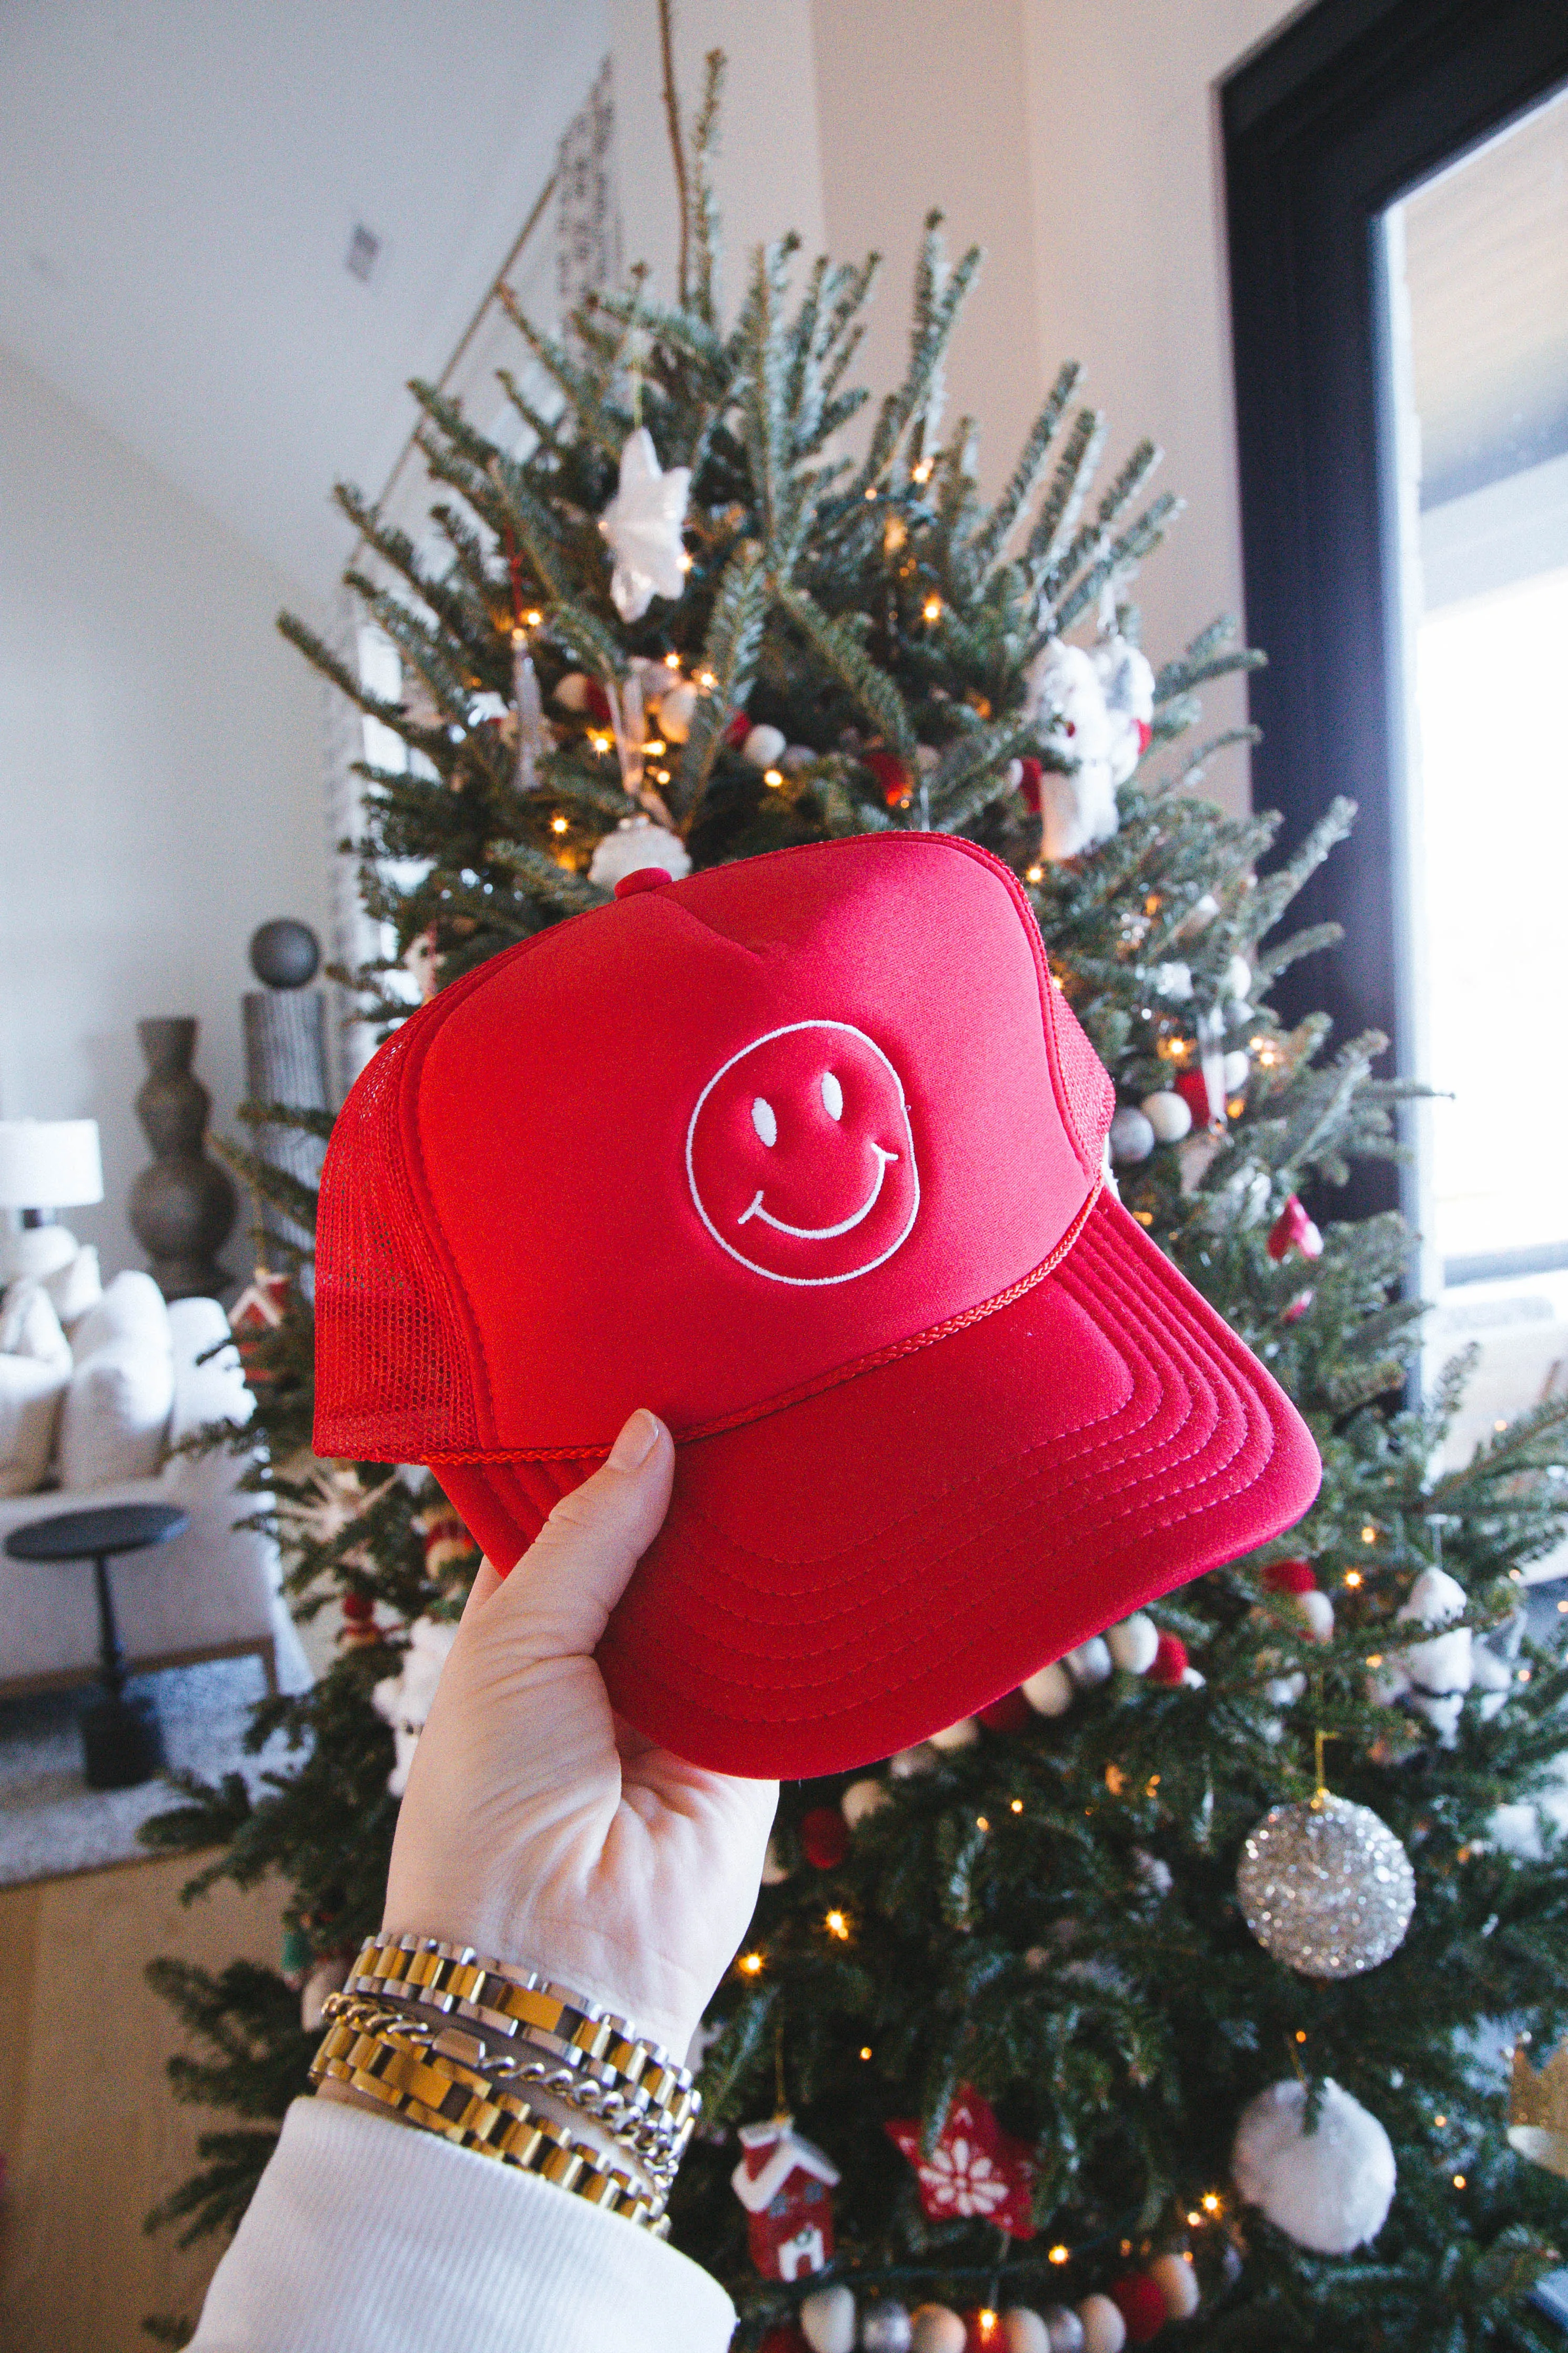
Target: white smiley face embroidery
800, 1156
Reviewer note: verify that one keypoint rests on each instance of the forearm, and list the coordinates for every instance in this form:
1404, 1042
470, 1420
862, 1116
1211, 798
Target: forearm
364, 2239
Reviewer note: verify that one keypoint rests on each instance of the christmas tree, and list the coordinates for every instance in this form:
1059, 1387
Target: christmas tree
1006, 1985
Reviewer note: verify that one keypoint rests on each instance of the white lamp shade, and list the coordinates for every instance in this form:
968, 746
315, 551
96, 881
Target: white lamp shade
50, 1164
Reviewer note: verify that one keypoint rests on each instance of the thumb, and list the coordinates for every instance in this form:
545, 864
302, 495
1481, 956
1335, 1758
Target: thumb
561, 1591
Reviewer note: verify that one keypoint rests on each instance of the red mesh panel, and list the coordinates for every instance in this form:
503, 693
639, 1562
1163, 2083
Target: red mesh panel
1091, 1097
395, 1371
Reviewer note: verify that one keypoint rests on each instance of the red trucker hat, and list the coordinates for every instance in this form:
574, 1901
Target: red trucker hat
806, 1153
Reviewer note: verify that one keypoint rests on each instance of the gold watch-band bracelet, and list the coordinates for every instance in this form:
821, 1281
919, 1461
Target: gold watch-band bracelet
435, 2089
519, 2004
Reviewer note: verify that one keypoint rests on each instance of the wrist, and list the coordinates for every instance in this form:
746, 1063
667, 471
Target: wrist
513, 2064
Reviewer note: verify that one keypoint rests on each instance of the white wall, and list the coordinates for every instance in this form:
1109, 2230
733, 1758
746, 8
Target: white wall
1079, 143
1131, 270
160, 780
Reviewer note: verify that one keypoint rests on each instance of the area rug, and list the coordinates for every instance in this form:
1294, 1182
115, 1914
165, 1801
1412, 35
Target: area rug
52, 1823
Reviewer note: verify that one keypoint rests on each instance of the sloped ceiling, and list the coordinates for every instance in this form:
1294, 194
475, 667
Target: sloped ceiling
179, 182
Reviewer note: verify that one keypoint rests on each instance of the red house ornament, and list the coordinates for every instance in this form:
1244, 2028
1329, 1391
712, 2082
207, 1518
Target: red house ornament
785, 2185
976, 2172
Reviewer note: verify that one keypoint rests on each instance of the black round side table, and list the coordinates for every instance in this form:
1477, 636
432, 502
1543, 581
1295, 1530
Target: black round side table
123, 1741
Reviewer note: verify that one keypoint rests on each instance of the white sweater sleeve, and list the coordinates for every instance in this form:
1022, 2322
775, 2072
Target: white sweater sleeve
367, 2237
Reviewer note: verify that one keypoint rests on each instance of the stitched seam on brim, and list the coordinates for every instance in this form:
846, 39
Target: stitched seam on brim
1198, 1487
747, 1414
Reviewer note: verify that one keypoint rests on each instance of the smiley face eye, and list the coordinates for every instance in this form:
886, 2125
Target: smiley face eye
832, 1096
765, 1119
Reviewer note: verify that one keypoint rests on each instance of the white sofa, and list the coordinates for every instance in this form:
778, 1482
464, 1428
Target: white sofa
212, 1592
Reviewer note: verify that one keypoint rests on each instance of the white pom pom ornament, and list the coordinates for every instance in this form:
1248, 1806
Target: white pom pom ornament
1134, 1644
635, 842
937, 2328
961, 1734
676, 706
1177, 2282
1133, 1136
861, 1798
1050, 1693
827, 2320
764, 747
1168, 1114
1104, 2330
1330, 2190
1090, 1663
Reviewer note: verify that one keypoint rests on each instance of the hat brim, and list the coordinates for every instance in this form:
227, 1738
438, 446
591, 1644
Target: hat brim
841, 1578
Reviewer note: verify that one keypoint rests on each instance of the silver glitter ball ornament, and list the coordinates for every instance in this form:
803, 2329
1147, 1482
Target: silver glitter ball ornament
885, 2329
1326, 1887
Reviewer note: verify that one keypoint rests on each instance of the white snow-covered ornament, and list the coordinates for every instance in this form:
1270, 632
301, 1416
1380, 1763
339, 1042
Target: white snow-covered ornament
1329, 2189
1127, 684
1430, 1678
642, 524
1174, 982
637, 842
1067, 703
1445, 1663
404, 1700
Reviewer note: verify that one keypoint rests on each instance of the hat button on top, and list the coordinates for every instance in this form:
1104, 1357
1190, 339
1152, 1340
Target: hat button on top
646, 878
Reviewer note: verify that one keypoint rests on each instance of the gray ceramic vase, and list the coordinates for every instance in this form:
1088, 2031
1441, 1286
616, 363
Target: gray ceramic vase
182, 1209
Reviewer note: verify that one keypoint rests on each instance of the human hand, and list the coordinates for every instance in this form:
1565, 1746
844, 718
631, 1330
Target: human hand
539, 1828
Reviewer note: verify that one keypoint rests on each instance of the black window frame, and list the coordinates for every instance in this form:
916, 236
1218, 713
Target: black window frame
1323, 128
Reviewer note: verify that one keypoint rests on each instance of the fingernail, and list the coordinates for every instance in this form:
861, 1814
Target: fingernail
636, 1440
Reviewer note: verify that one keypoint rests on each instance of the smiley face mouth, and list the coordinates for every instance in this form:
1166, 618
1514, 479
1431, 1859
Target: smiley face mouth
823, 1233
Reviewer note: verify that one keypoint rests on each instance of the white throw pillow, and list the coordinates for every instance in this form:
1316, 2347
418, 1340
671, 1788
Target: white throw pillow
130, 1309
31, 1389
76, 1286
116, 1412
29, 1325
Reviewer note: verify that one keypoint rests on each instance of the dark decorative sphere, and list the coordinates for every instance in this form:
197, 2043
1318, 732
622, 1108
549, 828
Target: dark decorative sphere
285, 954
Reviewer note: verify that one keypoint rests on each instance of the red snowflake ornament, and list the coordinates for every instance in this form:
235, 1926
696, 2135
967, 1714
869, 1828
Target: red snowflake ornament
976, 2172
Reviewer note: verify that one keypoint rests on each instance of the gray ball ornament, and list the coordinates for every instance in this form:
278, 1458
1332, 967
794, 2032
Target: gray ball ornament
284, 953
1326, 1887
885, 2329
1131, 1136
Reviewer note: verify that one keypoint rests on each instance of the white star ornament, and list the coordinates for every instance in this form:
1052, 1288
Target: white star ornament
642, 523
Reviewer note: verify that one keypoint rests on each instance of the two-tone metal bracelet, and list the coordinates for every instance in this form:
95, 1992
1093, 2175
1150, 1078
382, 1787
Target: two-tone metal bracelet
422, 2074
593, 2059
